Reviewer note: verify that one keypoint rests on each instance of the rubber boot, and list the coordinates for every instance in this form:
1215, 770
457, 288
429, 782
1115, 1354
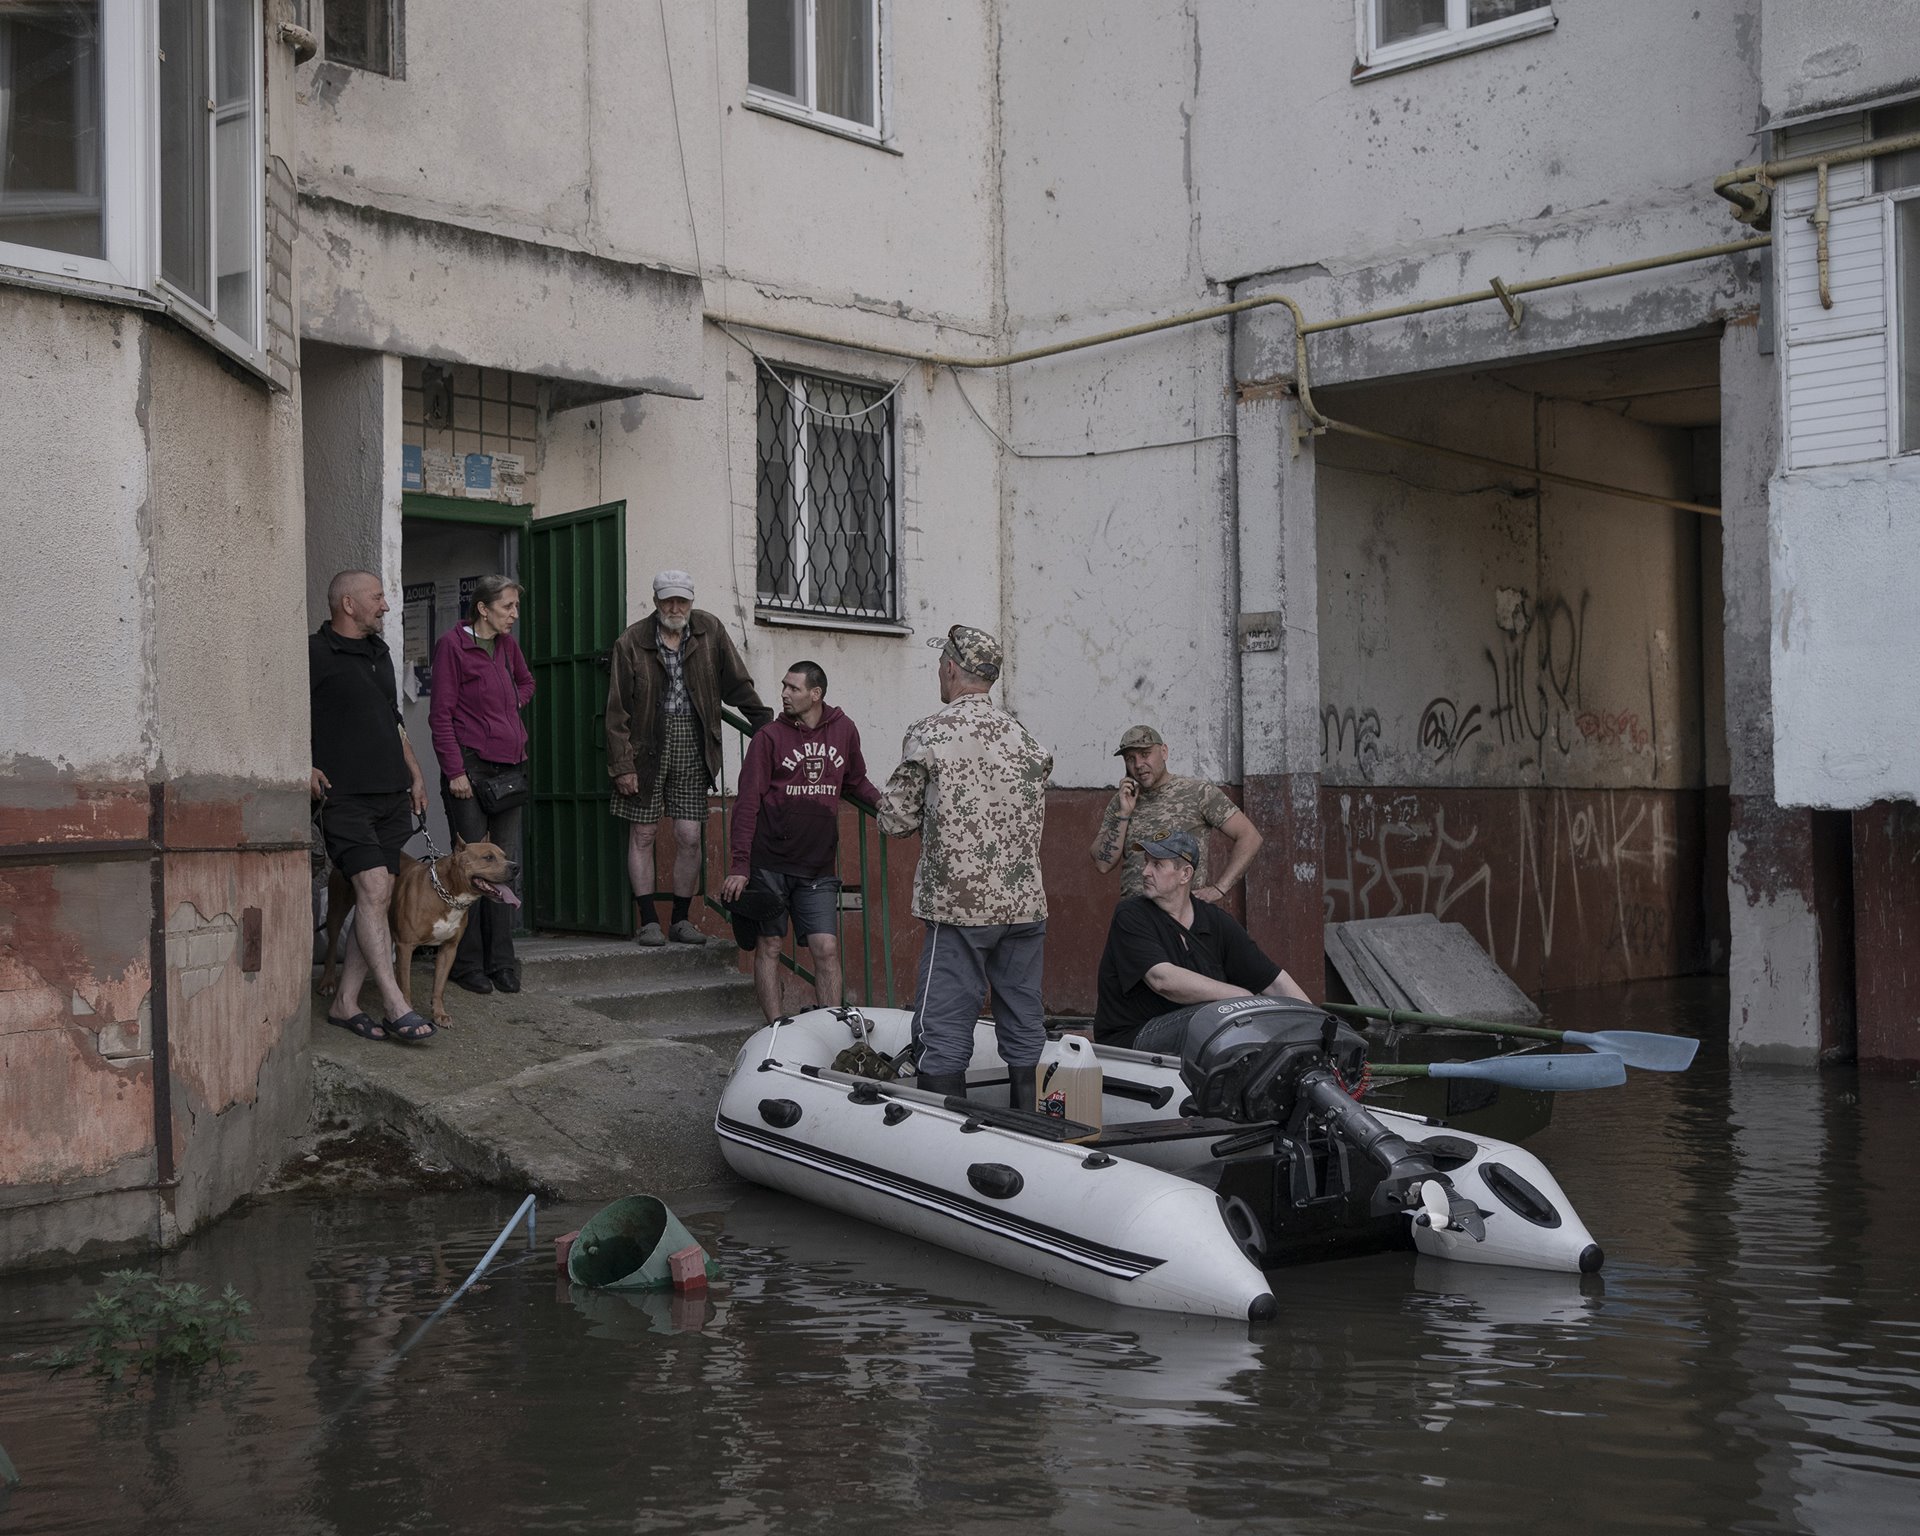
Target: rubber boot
952, 1084
1022, 1083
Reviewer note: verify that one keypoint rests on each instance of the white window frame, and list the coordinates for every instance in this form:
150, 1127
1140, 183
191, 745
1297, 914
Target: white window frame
1376, 58
1897, 323
126, 40
802, 109
205, 318
130, 201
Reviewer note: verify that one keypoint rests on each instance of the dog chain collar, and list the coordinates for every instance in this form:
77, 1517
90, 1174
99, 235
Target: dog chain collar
432, 861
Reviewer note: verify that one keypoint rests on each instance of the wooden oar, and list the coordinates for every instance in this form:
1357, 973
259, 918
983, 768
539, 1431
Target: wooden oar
1546, 1074
1636, 1047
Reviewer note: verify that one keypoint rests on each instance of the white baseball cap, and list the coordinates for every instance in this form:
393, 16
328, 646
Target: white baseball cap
673, 584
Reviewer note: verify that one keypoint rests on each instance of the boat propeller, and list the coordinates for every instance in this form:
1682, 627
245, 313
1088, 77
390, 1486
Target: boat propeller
1443, 1207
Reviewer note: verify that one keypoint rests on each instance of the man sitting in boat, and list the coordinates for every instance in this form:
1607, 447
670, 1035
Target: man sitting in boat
1168, 949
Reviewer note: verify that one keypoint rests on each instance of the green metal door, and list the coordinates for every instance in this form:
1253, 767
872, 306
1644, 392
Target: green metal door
575, 570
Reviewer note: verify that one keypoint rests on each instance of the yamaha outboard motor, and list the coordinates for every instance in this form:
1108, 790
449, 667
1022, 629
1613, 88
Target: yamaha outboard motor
1274, 1061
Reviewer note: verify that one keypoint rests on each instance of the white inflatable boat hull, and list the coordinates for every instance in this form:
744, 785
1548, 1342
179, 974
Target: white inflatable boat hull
1129, 1227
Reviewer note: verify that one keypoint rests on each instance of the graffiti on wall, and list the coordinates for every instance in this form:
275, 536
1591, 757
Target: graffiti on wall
1350, 737
1444, 730
1536, 672
1587, 868
1535, 709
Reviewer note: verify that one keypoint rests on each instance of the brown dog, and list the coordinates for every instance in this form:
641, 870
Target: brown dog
430, 906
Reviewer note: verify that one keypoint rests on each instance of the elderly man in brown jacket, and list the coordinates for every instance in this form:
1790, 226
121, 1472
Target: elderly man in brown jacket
671, 673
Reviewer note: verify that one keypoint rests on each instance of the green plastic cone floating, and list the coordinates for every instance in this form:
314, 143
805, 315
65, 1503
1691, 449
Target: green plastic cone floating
637, 1244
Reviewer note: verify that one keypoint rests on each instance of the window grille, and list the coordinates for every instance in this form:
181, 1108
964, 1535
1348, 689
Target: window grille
825, 502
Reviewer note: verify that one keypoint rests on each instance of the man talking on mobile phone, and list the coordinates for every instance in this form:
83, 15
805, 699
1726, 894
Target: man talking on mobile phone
1151, 804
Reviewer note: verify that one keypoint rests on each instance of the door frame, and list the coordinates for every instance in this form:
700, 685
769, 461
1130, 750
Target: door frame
503, 517
529, 576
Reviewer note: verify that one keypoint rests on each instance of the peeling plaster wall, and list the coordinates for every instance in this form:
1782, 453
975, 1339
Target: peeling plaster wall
1846, 609
1819, 53
1119, 565
594, 179
155, 497
228, 557
351, 429
1623, 105
73, 516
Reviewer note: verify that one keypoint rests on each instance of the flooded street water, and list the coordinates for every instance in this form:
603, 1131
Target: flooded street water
1748, 1362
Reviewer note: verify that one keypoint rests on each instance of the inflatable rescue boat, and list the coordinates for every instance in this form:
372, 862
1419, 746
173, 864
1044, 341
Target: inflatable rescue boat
1235, 1150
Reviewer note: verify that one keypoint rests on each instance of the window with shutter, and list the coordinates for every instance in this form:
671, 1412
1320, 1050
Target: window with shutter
1853, 331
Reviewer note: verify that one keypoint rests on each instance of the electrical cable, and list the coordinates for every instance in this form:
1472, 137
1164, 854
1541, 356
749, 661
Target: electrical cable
1083, 453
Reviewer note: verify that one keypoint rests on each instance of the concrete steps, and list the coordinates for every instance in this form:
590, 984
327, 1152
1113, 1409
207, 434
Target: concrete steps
677, 993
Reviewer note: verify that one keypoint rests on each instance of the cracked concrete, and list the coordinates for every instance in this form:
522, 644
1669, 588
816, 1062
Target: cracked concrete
548, 1090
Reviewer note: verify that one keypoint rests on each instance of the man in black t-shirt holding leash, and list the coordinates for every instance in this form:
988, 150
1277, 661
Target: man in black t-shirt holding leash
1167, 950
369, 788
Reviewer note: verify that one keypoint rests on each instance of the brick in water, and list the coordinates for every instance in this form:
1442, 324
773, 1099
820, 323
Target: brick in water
563, 1248
688, 1267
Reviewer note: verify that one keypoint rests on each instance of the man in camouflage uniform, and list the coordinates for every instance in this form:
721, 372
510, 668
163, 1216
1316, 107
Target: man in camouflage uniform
1152, 804
973, 784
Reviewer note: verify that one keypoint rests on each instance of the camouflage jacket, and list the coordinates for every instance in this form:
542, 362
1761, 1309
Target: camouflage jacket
1173, 805
973, 784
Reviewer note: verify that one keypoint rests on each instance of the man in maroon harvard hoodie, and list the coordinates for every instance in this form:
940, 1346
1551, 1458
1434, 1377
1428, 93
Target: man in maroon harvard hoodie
786, 832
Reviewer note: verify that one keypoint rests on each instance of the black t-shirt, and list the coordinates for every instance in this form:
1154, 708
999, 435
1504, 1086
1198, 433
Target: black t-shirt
354, 714
1141, 936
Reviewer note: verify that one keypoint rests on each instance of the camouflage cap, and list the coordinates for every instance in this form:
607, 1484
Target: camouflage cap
1139, 736
1175, 845
973, 650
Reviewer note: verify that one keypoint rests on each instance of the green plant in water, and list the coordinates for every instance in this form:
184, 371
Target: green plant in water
140, 1323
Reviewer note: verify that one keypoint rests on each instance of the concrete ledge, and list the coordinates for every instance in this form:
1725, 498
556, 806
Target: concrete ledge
396, 283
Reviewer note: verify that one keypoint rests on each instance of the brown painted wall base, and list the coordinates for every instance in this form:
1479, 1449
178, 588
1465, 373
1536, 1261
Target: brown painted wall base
1565, 888
1886, 904
81, 1169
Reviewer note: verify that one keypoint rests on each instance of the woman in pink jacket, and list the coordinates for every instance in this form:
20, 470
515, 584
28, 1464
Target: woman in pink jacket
480, 685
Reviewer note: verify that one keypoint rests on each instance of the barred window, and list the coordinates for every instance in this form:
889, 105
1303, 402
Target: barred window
825, 496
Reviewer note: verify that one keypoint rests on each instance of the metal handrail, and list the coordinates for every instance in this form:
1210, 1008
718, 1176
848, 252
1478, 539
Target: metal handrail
743, 731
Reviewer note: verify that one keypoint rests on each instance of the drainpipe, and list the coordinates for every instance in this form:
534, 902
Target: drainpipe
157, 989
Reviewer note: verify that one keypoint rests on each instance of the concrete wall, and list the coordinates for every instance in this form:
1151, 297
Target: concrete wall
1480, 628
687, 473
154, 730
1820, 53
350, 442
153, 814
1846, 606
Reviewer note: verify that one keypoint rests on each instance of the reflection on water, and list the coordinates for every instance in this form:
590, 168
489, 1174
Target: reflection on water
1749, 1361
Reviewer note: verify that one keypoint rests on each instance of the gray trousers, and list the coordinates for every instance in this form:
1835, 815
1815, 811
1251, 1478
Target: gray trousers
958, 964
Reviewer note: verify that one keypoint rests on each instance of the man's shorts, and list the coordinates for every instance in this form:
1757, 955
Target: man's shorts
814, 903
679, 789
364, 832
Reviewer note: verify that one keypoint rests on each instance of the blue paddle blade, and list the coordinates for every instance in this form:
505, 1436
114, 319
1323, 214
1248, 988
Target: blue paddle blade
1640, 1048
1550, 1074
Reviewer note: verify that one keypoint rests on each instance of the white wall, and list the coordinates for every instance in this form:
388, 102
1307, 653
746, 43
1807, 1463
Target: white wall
1119, 564
686, 471
1830, 52
1846, 613
75, 667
